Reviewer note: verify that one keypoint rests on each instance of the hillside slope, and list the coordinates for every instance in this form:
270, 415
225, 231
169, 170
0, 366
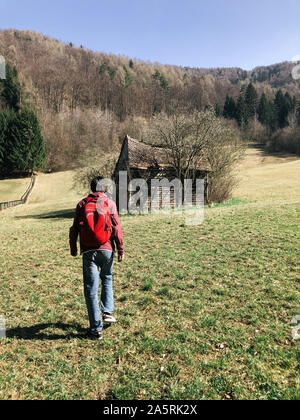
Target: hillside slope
60, 76
86, 99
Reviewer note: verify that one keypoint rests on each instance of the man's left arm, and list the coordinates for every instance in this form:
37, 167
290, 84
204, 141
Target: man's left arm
73, 234
117, 234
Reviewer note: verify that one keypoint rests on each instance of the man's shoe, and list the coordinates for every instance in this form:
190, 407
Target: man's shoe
109, 319
97, 336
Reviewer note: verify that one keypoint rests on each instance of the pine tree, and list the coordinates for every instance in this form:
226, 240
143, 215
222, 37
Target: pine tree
251, 99
242, 108
128, 77
266, 112
263, 110
3, 127
282, 107
272, 116
21, 143
11, 89
7, 119
218, 110
229, 110
26, 151
162, 80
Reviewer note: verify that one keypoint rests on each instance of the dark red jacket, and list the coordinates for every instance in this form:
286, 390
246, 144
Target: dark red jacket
116, 240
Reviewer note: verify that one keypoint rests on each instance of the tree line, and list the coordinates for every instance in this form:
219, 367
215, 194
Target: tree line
272, 119
274, 113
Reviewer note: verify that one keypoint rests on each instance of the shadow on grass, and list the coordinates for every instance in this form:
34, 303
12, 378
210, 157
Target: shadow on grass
59, 214
266, 152
36, 332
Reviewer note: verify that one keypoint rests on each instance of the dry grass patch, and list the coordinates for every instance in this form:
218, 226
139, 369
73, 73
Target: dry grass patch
13, 189
268, 177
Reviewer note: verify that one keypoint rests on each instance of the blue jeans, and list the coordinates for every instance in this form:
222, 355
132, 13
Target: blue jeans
93, 261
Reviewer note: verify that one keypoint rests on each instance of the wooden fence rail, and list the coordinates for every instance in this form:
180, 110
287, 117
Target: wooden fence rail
24, 198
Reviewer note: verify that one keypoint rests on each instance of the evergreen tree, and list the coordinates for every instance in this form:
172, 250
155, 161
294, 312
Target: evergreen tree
3, 127
263, 110
218, 110
251, 99
106, 69
21, 143
266, 112
128, 77
242, 108
282, 107
7, 119
156, 75
272, 116
25, 151
162, 80
229, 110
111, 71
11, 89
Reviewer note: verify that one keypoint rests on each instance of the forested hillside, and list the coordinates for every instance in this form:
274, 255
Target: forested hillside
87, 99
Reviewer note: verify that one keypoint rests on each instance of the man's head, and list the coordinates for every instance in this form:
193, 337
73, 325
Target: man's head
97, 185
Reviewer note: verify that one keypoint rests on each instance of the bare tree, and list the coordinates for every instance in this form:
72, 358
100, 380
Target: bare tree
196, 141
223, 151
103, 165
184, 137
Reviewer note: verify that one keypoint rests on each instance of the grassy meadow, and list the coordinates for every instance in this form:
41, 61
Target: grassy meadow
13, 189
204, 312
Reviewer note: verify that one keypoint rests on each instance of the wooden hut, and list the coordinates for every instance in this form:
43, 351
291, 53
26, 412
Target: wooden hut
141, 160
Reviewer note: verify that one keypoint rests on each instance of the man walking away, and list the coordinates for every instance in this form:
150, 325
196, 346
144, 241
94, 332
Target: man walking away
97, 223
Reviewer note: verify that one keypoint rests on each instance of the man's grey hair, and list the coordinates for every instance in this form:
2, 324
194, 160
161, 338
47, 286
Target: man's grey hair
98, 184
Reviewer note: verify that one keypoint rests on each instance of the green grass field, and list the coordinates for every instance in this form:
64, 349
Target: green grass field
204, 312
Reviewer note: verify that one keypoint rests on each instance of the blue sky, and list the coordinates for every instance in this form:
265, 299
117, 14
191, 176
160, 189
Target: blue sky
195, 33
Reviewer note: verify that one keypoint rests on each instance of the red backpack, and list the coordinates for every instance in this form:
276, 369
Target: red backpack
95, 229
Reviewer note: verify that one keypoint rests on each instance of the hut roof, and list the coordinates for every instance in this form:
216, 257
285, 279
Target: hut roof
143, 156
